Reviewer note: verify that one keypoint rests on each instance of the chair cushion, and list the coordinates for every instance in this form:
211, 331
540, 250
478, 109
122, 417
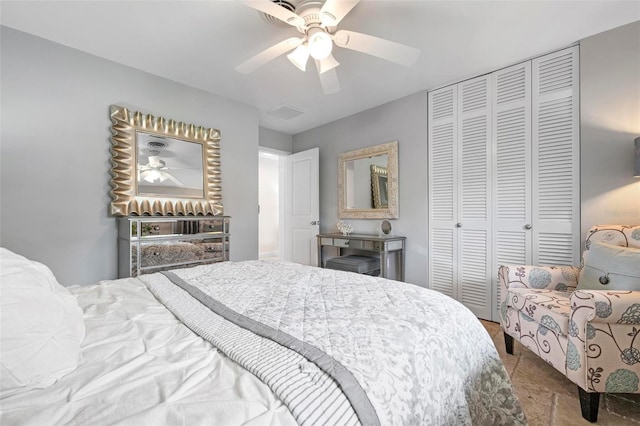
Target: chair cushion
610, 267
550, 308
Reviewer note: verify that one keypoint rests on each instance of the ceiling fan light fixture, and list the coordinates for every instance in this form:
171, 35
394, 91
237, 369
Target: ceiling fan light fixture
155, 161
319, 44
299, 57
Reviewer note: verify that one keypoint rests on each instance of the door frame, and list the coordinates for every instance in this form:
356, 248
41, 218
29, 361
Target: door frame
282, 180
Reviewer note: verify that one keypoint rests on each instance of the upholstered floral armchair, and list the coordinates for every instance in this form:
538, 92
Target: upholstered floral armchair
585, 321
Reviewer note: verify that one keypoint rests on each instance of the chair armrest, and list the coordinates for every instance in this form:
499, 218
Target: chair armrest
562, 278
602, 351
613, 307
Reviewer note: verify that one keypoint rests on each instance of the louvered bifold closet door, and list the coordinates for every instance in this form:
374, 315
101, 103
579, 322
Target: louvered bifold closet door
511, 123
555, 139
442, 189
474, 220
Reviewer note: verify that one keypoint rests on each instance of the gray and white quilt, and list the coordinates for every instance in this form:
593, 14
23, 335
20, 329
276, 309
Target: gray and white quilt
344, 348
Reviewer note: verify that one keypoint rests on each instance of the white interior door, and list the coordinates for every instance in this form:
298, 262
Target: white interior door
443, 183
556, 158
512, 178
475, 271
302, 207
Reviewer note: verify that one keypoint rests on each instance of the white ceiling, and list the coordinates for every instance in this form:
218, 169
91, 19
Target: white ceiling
199, 43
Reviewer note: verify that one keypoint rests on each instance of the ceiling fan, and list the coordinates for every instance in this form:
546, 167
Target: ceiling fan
156, 170
317, 21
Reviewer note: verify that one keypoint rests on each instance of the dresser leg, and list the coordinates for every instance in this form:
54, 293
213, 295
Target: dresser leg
383, 265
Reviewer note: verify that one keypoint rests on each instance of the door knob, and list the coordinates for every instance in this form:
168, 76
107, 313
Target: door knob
528, 226
458, 225
315, 222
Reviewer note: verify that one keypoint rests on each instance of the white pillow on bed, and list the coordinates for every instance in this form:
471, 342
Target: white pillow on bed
41, 326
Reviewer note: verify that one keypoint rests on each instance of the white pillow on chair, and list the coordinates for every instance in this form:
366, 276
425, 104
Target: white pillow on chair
610, 267
41, 326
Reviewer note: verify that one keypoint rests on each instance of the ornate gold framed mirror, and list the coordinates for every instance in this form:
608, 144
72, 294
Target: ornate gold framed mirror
163, 167
368, 183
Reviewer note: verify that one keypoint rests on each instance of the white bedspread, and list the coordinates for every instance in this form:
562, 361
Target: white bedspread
141, 366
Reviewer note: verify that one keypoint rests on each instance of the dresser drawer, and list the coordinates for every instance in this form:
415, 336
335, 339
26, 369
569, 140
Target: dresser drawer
167, 253
354, 244
153, 228
213, 249
178, 227
341, 242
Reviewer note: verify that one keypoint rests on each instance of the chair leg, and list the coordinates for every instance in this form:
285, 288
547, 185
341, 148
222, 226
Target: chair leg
589, 402
508, 342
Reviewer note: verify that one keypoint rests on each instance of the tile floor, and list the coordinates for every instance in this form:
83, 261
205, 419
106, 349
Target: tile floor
549, 398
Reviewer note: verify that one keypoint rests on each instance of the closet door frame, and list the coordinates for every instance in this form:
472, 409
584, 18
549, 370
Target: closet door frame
534, 203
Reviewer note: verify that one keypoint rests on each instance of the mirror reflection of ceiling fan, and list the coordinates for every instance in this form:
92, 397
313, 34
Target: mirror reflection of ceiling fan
156, 170
317, 21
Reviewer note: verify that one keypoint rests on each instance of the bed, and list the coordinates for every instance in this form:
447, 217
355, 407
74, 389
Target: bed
246, 343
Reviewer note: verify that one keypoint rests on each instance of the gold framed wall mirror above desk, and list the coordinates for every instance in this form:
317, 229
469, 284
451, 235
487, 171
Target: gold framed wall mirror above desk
382, 246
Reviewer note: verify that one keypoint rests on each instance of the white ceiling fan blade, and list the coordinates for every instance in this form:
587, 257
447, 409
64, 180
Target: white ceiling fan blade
385, 49
328, 80
172, 178
268, 55
277, 11
327, 64
333, 11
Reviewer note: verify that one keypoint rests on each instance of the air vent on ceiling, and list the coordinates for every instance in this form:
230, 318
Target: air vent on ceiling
157, 144
284, 3
285, 111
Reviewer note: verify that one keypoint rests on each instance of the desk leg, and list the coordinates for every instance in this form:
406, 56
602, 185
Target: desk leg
320, 265
383, 264
401, 256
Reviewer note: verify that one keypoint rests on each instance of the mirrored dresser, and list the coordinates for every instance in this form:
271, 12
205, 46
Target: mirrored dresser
149, 244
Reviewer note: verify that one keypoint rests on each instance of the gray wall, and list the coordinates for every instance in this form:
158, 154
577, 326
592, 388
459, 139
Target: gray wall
610, 121
276, 140
54, 150
404, 120
54, 153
